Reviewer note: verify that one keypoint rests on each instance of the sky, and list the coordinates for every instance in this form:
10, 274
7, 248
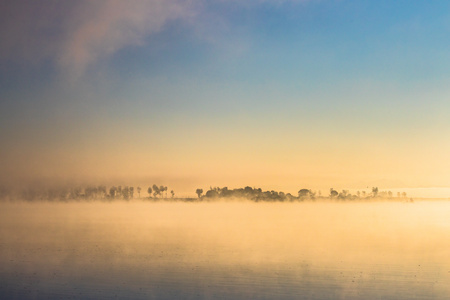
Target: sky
268, 93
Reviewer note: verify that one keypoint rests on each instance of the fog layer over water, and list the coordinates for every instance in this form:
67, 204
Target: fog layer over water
225, 250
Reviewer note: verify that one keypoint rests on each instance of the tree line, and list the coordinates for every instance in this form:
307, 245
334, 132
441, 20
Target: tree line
161, 192
257, 194
90, 192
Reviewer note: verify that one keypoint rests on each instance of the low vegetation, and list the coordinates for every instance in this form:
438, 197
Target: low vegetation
160, 192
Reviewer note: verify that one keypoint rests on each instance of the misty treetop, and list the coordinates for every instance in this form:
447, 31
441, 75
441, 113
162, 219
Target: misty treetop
257, 194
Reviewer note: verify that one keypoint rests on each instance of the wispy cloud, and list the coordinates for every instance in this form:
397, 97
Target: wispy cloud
100, 28
77, 34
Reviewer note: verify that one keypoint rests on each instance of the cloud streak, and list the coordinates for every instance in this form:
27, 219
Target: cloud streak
100, 28
77, 34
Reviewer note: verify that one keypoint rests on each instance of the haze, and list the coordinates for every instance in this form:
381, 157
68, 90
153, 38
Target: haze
233, 250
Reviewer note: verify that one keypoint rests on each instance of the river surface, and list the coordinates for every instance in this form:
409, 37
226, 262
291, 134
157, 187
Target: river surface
225, 250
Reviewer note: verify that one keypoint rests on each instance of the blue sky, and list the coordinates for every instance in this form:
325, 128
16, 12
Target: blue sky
271, 93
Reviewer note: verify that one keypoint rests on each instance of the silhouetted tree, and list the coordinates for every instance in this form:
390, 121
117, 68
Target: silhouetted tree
199, 192
149, 191
374, 192
304, 194
156, 190
112, 192
248, 191
126, 193
119, 191
212, 194
333, 193
161, 190
226, 193
138, 189
131, 192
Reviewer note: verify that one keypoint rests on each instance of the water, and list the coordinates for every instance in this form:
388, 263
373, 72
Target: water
237, 250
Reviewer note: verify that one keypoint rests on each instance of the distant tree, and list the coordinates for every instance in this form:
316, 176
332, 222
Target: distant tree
333, 193
112, 192
212, 194
102, 191
138, 189
225, 192
156, 190
126, 193
274, 195
199, 192
161, 190
375, 192
131, 192
248, 190
90, 192
404, 194
172, 193
304, 194
149, 191
344, 195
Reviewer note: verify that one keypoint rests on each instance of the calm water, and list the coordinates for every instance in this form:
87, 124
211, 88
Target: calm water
225, 250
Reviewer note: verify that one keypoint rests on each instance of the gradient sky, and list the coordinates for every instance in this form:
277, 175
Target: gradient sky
275, 94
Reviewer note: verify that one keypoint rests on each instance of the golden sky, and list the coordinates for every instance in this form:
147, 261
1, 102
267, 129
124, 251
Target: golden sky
282, 95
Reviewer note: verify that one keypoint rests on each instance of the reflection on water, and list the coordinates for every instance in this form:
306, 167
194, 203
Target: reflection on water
232, 250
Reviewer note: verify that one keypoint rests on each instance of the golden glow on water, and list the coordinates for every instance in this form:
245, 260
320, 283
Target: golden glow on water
337, 250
